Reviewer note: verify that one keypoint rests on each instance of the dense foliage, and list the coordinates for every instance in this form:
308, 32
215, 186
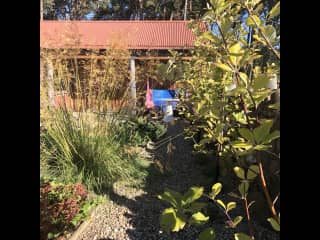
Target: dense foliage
123, 9
139, 130
86, 137
62, 208
89, 151
233, 87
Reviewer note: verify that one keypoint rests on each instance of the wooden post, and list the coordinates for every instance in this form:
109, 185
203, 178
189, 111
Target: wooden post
41, 10
185, 10
50, 82
133, 93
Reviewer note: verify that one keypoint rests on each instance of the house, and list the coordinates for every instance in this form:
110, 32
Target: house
159, 36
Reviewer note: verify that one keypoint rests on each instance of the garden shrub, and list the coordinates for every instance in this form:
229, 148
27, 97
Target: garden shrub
138, 131
187, 210
62, 208
233, 85
91, 153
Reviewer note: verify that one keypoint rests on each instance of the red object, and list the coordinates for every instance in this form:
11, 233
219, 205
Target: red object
149, 103
124, 34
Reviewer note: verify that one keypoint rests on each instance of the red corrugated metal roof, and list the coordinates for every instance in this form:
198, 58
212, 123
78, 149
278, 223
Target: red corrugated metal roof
127, 34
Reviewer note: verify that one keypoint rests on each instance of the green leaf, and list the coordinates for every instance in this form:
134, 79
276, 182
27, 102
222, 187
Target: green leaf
252, 19
221, 204
275, 11
208, 35
210, 124
201, 104
252, 57
242, 236
260, 81
247, 134
198, 218
275, 225
259, 39
235, 48
239, 172
271, 136
243, 188
170, 222
240, 117
231, 205
253, 171
261, 95
207, 234
244, 78
236, 52
275, 106
192, 194
261, 133
224, 67
261, 147
241, 145
172, 197
237, 220
270, 33
215, 190
226, 25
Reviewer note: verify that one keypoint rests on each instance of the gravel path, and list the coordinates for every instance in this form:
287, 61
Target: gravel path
133, 214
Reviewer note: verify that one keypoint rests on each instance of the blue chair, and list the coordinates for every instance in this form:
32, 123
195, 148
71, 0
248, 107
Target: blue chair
161, 98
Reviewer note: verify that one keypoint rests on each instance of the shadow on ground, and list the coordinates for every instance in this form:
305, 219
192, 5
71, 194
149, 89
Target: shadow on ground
145, 209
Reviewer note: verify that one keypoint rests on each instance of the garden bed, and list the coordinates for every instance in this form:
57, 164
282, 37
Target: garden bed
63, 208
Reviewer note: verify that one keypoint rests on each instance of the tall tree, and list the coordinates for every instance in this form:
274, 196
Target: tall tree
69, 9
150, 9
123, 9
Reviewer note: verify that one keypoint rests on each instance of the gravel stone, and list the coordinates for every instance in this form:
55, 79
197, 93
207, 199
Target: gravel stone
133, 214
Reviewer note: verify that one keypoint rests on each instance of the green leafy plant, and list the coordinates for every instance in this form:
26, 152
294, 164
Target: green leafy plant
246, 178
139, 131
231, 84
184, 209
175, 218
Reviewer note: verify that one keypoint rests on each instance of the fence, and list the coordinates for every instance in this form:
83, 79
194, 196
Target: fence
77, 104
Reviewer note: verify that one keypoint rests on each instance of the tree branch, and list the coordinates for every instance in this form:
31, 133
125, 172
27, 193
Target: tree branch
223, 38
265, 189
274, 51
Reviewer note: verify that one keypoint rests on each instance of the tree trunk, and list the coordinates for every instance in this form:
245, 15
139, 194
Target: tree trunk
133, 94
